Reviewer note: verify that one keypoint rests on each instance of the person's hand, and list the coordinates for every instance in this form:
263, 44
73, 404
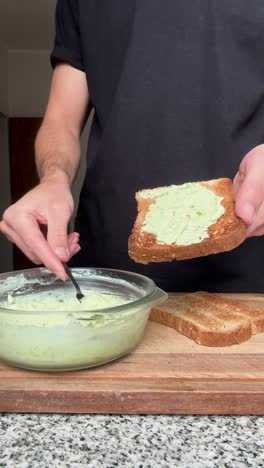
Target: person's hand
249, 191
49, 206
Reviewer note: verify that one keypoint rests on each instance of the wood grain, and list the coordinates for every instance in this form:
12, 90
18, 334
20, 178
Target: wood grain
167, 374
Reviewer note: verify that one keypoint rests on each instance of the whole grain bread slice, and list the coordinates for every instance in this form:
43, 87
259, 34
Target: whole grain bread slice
227, 233
204, 319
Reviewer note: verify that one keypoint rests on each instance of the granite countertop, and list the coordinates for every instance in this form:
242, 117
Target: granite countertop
107, 441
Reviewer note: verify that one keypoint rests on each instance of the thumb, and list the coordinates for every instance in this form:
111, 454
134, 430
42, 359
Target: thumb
57, 236
249, 194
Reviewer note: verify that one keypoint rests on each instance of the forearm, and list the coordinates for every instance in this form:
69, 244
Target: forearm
50, 203
57, 151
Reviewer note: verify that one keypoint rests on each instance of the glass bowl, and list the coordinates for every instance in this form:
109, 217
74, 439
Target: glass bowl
60, 340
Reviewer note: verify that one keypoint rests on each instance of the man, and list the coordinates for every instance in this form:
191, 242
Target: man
178, 93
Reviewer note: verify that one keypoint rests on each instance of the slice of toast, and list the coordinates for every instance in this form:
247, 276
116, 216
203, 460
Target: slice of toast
253, 314
223, 235
209, 319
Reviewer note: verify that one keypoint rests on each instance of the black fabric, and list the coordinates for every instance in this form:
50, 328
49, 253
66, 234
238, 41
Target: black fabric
177, 88
67, 47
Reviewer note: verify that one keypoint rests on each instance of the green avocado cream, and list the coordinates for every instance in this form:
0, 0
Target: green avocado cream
181, 214
51, 330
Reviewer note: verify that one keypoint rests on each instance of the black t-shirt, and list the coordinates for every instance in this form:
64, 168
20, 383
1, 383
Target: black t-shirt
178, 92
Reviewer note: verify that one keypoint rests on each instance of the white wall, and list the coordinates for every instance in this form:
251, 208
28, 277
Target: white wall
3, 79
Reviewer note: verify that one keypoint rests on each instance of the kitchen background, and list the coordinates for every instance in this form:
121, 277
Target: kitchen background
41, 440
26, 38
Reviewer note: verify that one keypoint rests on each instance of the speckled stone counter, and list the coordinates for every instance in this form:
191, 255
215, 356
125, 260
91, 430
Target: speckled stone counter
31, 440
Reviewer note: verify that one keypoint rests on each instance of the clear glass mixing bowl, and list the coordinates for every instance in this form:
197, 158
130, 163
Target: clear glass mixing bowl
47, 340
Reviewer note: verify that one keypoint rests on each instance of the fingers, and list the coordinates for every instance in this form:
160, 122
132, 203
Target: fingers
249, 196
74, 246
74, 250
38, 223
73, 240
257, 227
27, 236
39, 244
57, 232
249, 188
237, 183
13, 237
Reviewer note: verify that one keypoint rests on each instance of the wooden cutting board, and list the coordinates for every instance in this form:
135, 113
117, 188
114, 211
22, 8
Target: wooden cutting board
167, 374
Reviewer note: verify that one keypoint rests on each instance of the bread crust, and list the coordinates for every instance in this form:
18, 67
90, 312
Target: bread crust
253, 314
227, 233
209, 319
193, 331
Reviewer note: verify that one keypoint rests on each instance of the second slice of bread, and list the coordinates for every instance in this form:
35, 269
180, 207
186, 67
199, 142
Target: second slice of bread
227, 233
209, 319
253, 314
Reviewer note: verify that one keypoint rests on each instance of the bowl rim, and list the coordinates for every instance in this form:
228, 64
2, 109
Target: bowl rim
109, 310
